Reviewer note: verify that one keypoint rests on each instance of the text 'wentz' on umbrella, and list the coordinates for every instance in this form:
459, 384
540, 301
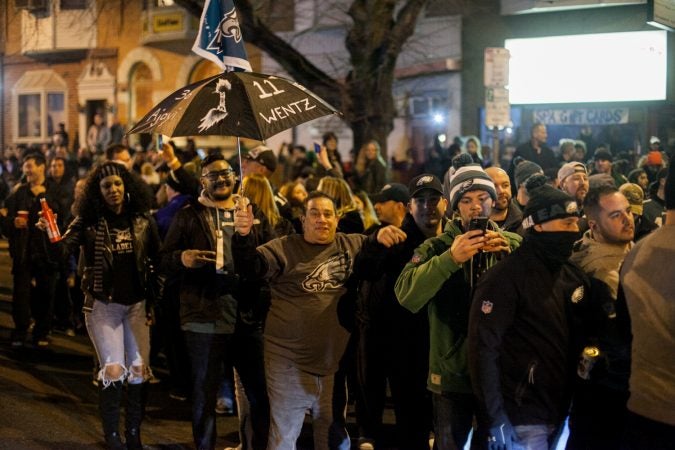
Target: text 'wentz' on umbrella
242, 104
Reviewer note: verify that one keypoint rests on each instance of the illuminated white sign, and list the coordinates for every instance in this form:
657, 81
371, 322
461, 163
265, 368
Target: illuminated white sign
607, 67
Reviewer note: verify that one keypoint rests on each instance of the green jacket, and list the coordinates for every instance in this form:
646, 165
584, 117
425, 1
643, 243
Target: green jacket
433, 277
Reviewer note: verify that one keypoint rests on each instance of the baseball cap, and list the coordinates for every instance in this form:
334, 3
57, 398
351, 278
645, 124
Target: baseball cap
634, 195
424, 181
571, 168
392, 191
654, 140
263, 155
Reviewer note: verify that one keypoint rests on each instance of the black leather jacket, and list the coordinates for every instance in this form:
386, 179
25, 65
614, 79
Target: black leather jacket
146, 248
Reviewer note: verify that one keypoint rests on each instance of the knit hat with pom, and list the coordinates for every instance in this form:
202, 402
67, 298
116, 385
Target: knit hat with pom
468, 176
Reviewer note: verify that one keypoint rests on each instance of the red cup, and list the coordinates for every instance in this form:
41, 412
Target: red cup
22, 214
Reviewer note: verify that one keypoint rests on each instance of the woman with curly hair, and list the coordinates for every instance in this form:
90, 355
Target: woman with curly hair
118, 240
347, 209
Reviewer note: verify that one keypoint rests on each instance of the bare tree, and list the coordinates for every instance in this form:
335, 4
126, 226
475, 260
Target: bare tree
374, 40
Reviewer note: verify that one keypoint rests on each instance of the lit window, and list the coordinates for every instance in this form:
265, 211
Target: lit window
40, 103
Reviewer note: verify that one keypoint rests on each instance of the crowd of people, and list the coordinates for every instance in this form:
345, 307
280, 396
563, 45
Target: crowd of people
492, 304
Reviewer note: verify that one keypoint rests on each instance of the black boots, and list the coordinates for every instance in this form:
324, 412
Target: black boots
134, 415
109, 408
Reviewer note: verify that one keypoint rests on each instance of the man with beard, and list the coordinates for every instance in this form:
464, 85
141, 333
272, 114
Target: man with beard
305, 331
197, 251
506, 212
442, 274
599, 403
520, 354
393, 342
573, 179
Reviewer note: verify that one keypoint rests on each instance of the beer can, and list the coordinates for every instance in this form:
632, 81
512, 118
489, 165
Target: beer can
588, 358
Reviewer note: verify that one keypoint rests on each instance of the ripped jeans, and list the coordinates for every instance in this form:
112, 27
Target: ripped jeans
121, 338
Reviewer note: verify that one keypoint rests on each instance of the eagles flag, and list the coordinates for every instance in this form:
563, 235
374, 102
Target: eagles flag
219, 38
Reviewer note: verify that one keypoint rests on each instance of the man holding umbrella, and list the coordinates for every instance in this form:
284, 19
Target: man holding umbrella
197, 250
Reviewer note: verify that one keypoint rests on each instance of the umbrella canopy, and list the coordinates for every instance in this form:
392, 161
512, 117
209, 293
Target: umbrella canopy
242, 104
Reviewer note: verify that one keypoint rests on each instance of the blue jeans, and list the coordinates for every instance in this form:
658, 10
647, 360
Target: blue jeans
291, 393
207, 353
453, 419
533, 437
121, 337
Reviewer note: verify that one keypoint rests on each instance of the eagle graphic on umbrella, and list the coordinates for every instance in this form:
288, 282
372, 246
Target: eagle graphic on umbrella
215, 115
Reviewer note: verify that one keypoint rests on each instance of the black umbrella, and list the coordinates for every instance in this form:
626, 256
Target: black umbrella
241, 104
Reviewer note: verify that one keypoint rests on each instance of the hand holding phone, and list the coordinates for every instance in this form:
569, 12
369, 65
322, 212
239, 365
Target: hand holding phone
478, 223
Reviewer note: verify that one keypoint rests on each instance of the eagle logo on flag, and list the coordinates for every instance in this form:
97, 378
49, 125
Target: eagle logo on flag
228, 28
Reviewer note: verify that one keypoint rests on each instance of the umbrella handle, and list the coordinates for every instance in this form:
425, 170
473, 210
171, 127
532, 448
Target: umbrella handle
241, 169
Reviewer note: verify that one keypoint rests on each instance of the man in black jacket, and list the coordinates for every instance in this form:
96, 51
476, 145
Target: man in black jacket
197, 249
35, 262
520, 354
393, 343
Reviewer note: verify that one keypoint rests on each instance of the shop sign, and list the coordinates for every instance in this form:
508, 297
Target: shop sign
167, 23
608, 116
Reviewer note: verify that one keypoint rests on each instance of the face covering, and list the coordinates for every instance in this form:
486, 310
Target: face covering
555, 246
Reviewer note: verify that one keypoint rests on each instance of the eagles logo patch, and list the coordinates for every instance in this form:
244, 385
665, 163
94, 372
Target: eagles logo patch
578, 294
466, 185
425, 180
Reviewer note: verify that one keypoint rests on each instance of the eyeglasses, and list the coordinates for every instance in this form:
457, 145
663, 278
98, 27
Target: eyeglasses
215, 175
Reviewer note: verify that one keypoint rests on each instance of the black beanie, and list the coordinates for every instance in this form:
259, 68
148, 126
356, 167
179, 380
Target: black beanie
175, 184
670, 187
548, 203
525, 170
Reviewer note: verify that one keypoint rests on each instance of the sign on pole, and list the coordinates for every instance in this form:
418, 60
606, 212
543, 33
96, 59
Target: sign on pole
497, 106
496, 73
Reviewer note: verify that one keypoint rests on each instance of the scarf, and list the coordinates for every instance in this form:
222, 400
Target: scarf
554, 246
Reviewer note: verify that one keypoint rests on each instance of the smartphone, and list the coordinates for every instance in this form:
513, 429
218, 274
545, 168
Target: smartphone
201, 153
478, 223
317, 147
159, 142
